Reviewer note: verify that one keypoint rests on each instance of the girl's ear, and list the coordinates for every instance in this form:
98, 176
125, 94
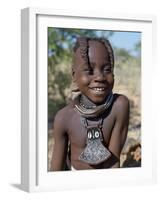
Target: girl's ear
113, 80
73, 74
74, 83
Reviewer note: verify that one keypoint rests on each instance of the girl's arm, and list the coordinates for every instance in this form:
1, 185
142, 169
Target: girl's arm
60, 143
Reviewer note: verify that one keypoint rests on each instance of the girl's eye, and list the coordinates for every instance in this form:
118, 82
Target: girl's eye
107, 69
88, 70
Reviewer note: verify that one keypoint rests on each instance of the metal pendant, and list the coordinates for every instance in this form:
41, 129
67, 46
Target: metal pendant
95, 152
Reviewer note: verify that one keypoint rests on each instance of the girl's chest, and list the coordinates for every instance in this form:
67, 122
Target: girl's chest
81, 129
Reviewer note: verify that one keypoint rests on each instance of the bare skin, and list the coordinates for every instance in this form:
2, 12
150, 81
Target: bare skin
67, 126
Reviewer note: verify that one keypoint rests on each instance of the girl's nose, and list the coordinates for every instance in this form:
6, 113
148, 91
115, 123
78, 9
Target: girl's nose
99, 76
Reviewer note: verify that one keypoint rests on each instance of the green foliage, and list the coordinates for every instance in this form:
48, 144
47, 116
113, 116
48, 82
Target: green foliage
137, 48
121, 55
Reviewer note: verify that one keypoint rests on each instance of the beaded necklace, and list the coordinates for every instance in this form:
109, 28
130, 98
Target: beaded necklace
88, 109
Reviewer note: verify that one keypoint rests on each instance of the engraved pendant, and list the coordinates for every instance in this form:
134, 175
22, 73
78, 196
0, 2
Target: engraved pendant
95, 152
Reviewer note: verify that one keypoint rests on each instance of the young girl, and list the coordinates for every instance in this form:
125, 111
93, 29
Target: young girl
90, 132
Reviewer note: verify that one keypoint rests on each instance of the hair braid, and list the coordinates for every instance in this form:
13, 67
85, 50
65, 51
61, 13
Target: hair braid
83, 44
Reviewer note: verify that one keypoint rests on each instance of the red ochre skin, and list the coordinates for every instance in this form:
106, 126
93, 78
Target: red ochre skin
67, 127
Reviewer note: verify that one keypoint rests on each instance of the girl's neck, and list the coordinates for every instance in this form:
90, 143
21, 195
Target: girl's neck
87, 103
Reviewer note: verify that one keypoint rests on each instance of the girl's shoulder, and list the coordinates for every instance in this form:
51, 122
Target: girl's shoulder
120, 99
120, 103
65, 112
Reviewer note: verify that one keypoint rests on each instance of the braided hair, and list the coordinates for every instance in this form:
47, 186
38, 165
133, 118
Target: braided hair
83, 44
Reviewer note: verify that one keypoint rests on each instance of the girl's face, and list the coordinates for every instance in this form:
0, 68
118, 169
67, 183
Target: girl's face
95, 80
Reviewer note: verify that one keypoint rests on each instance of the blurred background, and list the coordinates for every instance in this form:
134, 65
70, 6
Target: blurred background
127, 70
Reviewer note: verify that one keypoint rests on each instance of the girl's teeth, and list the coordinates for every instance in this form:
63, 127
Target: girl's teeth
99, 89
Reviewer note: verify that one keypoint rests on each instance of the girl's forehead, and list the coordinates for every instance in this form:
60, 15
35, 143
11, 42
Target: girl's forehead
96, 44
96, 51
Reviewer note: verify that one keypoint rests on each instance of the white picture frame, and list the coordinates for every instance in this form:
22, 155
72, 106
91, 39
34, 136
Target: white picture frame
34, 173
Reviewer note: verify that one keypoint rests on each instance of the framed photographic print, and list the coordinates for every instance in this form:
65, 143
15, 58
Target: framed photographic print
47, 39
